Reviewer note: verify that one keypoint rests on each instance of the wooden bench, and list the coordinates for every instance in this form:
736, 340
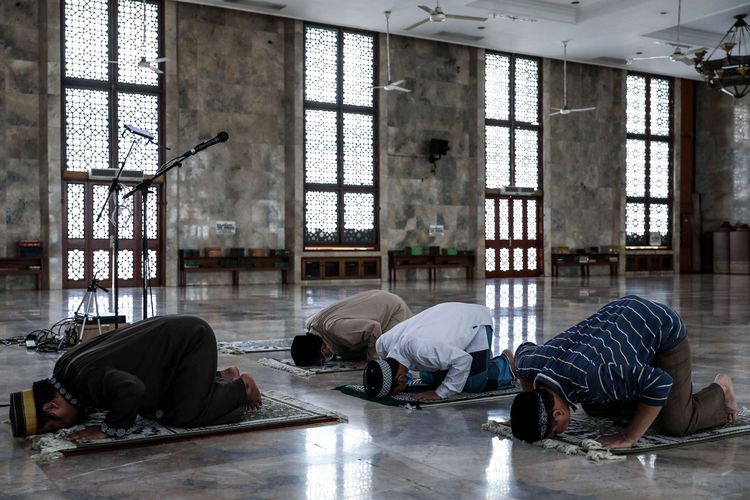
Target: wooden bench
585, 261
234, 265
31, 266
398, 260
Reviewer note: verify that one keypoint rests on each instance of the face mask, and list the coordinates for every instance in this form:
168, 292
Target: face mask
409, 378
326, 359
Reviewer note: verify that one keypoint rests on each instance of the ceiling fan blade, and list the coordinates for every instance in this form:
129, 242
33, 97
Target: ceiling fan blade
649, 58
156, 70
425, 8
673, 44
159, 60
577, 110
466, 18
397, 83
555, 113
400, 89
420, 23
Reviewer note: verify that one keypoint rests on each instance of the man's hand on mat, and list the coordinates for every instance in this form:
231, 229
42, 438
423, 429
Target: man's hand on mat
87, 434
616, 441
425, 396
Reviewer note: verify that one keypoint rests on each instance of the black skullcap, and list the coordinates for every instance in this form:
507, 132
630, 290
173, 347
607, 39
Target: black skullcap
306, 349
379, 377
531, 415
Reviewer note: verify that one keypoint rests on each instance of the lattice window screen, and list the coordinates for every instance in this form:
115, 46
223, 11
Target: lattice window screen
648, 175
340, 138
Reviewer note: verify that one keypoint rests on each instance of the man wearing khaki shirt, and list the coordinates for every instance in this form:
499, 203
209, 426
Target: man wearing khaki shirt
349, 328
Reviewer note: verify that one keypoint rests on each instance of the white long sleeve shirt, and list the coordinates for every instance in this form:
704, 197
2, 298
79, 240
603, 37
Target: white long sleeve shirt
439, 338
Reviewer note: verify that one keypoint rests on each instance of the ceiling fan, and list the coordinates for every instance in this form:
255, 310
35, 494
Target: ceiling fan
565, 110
678, 55
391, 85
437, 15
150, 64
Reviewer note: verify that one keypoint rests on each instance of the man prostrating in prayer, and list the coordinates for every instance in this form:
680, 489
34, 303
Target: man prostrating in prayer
631, 357
163, 367
449, 345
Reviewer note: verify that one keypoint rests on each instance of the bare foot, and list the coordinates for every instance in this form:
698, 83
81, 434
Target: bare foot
253, 393
730, 400
511, 359
231, 373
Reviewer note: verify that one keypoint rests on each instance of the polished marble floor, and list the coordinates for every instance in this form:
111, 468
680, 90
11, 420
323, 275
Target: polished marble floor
386, 452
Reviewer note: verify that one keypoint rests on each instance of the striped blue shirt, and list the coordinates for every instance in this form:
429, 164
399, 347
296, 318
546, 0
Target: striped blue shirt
606, 357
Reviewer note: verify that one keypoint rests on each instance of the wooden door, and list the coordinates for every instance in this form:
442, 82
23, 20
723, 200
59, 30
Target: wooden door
513, 240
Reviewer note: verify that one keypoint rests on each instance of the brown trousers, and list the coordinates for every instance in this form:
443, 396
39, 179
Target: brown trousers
687, 412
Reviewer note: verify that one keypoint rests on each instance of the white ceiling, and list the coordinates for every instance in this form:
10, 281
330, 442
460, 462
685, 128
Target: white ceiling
605, 32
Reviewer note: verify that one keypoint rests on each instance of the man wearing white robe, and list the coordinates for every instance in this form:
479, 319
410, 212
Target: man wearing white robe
449, 344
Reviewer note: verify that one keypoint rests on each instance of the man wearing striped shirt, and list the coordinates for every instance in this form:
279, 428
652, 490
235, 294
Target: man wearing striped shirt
631, 355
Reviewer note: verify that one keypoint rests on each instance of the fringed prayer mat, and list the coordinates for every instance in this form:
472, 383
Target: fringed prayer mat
248, 346
404, 399
580, 438
287, 365
279, 410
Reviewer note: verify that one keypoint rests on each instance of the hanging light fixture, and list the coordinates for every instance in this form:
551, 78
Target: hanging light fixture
731, 73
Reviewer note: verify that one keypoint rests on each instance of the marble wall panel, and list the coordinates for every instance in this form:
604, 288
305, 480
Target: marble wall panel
418, 193
230, 77
20, 132
722, 152
584, 158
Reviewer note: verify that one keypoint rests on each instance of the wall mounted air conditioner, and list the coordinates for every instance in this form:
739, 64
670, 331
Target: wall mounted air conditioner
107, 174
516, 190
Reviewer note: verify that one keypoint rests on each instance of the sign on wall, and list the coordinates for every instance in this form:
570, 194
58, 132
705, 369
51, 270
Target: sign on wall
225, 227
436, 229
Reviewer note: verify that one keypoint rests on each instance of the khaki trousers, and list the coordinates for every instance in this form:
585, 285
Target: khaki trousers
686, 413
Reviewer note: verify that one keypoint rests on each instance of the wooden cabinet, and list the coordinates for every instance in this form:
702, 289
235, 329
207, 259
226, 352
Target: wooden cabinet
651, 262
340, 268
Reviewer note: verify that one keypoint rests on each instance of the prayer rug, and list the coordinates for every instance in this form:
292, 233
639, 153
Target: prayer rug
287, 365
580, 438
279, 410
248, 346
404, 399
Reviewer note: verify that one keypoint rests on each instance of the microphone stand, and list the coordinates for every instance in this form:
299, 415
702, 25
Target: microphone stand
143, 187
114, 188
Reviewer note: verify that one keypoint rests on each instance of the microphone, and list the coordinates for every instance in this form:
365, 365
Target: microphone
139, 131
220, 137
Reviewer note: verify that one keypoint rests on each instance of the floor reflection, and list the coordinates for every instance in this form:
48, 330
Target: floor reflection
498, 471
513, 308
334, 478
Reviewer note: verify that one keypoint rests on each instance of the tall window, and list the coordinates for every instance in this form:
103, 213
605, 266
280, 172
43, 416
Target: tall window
513, 134
341, 194
648, 212
104, 88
